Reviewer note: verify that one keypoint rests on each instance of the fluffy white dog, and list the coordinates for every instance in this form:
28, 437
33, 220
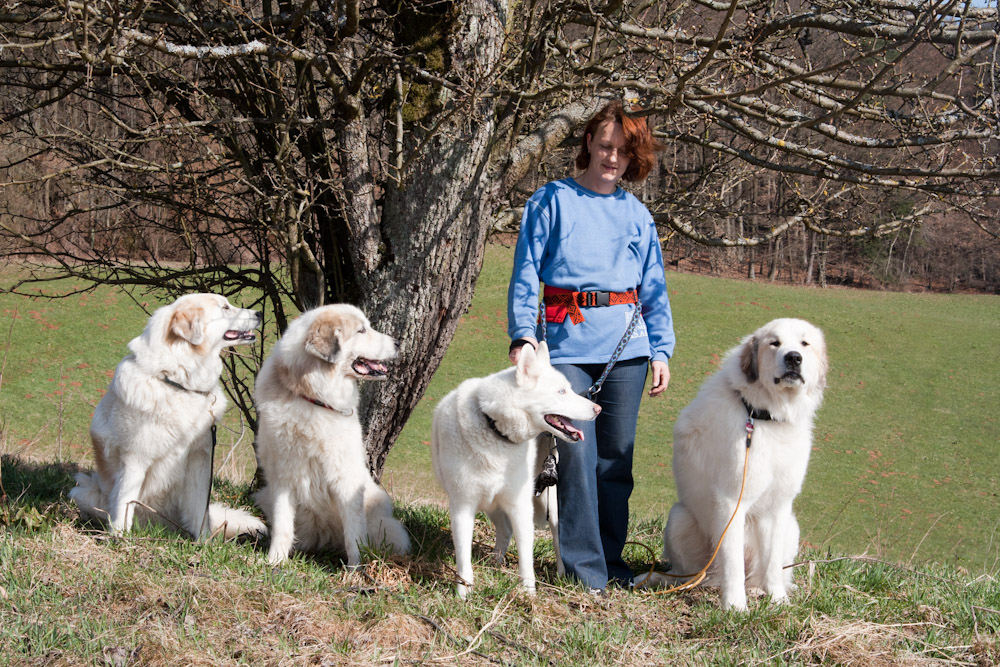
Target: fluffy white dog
152, 430
319, 492
776, 376
484, 452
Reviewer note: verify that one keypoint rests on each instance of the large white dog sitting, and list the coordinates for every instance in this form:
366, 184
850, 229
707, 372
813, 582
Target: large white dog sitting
484, 453
152, 430
318, 491
776, 376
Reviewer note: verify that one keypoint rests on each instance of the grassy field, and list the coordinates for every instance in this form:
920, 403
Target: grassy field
903, 462
898, 514
70, 595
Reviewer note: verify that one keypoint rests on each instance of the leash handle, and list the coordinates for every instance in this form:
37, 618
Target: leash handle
629, 330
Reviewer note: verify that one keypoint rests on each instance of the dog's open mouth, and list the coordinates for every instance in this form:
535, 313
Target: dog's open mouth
242, 336
564, 426
369, 368
791, 377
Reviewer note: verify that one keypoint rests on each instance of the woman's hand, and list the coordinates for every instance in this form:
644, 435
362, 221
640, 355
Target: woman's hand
515, 352
661, 377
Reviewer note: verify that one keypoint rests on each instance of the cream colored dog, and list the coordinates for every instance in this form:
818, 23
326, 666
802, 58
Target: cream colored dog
151, 432
777, 375
318, 491
484, 452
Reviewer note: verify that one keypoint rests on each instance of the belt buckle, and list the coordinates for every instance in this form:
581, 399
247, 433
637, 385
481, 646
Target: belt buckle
602, 298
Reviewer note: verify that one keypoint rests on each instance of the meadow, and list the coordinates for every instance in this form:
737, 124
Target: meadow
902, 466
898, 513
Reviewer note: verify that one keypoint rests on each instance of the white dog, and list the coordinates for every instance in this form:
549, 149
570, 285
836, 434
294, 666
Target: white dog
152, 430
776, 376
484, 452
318, 490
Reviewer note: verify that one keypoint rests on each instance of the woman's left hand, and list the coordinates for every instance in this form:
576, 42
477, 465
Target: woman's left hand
661, 377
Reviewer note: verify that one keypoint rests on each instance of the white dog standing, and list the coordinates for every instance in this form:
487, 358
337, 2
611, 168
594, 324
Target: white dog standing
151, 431
777, 376
484, 452
318, 491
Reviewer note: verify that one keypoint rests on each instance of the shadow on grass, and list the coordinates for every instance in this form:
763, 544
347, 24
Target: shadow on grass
32, 495
36, 484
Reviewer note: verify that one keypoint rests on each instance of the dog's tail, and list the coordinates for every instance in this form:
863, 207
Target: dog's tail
89, 498
231, 523
384, 530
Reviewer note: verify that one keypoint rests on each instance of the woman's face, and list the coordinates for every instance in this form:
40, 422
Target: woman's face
607, 158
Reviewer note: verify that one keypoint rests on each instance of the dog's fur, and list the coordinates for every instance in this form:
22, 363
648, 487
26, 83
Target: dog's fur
781, 368
493, 469
318, 490
152, 439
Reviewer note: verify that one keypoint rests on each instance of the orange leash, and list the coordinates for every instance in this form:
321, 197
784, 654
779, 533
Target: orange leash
700, 575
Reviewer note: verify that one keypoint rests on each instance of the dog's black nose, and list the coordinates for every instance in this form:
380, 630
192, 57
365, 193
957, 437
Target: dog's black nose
793, 359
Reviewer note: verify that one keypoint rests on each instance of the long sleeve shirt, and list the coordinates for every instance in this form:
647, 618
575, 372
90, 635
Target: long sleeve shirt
583, 241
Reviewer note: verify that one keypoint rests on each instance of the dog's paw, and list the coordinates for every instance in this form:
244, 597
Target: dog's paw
779, 597
276, 557
651, 580
735, 601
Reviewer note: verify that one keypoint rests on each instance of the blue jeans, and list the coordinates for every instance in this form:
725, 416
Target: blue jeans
595, 475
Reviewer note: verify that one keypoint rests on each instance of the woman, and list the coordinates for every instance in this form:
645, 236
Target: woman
595, 248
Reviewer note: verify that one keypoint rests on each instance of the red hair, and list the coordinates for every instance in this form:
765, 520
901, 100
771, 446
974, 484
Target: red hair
640, 146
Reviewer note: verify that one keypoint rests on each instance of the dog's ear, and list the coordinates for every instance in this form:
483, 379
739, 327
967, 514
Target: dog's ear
187, 323
527, 368
748, 359
543, 352
824, 362
324, 336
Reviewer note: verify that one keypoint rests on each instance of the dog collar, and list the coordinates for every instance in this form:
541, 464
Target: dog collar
328, 407
178, 385
756, 413
492, 423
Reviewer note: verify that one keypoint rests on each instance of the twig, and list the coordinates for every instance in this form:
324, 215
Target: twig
450, 637
520, 647
494, 618
869, 559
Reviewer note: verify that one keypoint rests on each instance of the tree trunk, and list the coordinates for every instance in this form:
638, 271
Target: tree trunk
434, 229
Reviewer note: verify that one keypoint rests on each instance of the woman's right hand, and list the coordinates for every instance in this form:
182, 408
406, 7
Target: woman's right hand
515, 352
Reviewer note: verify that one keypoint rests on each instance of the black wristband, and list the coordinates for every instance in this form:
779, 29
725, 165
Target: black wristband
520, 342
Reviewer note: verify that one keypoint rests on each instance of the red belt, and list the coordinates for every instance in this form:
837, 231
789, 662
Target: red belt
561, 302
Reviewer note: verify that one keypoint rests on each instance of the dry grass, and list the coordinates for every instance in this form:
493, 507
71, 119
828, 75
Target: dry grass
71, 595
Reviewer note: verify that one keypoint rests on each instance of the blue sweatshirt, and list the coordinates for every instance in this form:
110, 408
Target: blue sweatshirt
583, 241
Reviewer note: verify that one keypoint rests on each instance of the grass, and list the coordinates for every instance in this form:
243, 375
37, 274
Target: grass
900, 478
902, 466
903, 460
71, 595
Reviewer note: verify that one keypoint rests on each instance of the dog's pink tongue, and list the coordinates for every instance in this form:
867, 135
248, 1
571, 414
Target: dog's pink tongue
566, 426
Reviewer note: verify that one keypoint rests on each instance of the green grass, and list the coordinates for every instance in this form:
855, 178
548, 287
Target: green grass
900, 471
903, 461
71, 595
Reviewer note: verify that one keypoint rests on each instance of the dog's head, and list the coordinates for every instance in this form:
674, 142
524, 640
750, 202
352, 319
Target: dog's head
786, 353
546, 397
341, 335
205, 322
